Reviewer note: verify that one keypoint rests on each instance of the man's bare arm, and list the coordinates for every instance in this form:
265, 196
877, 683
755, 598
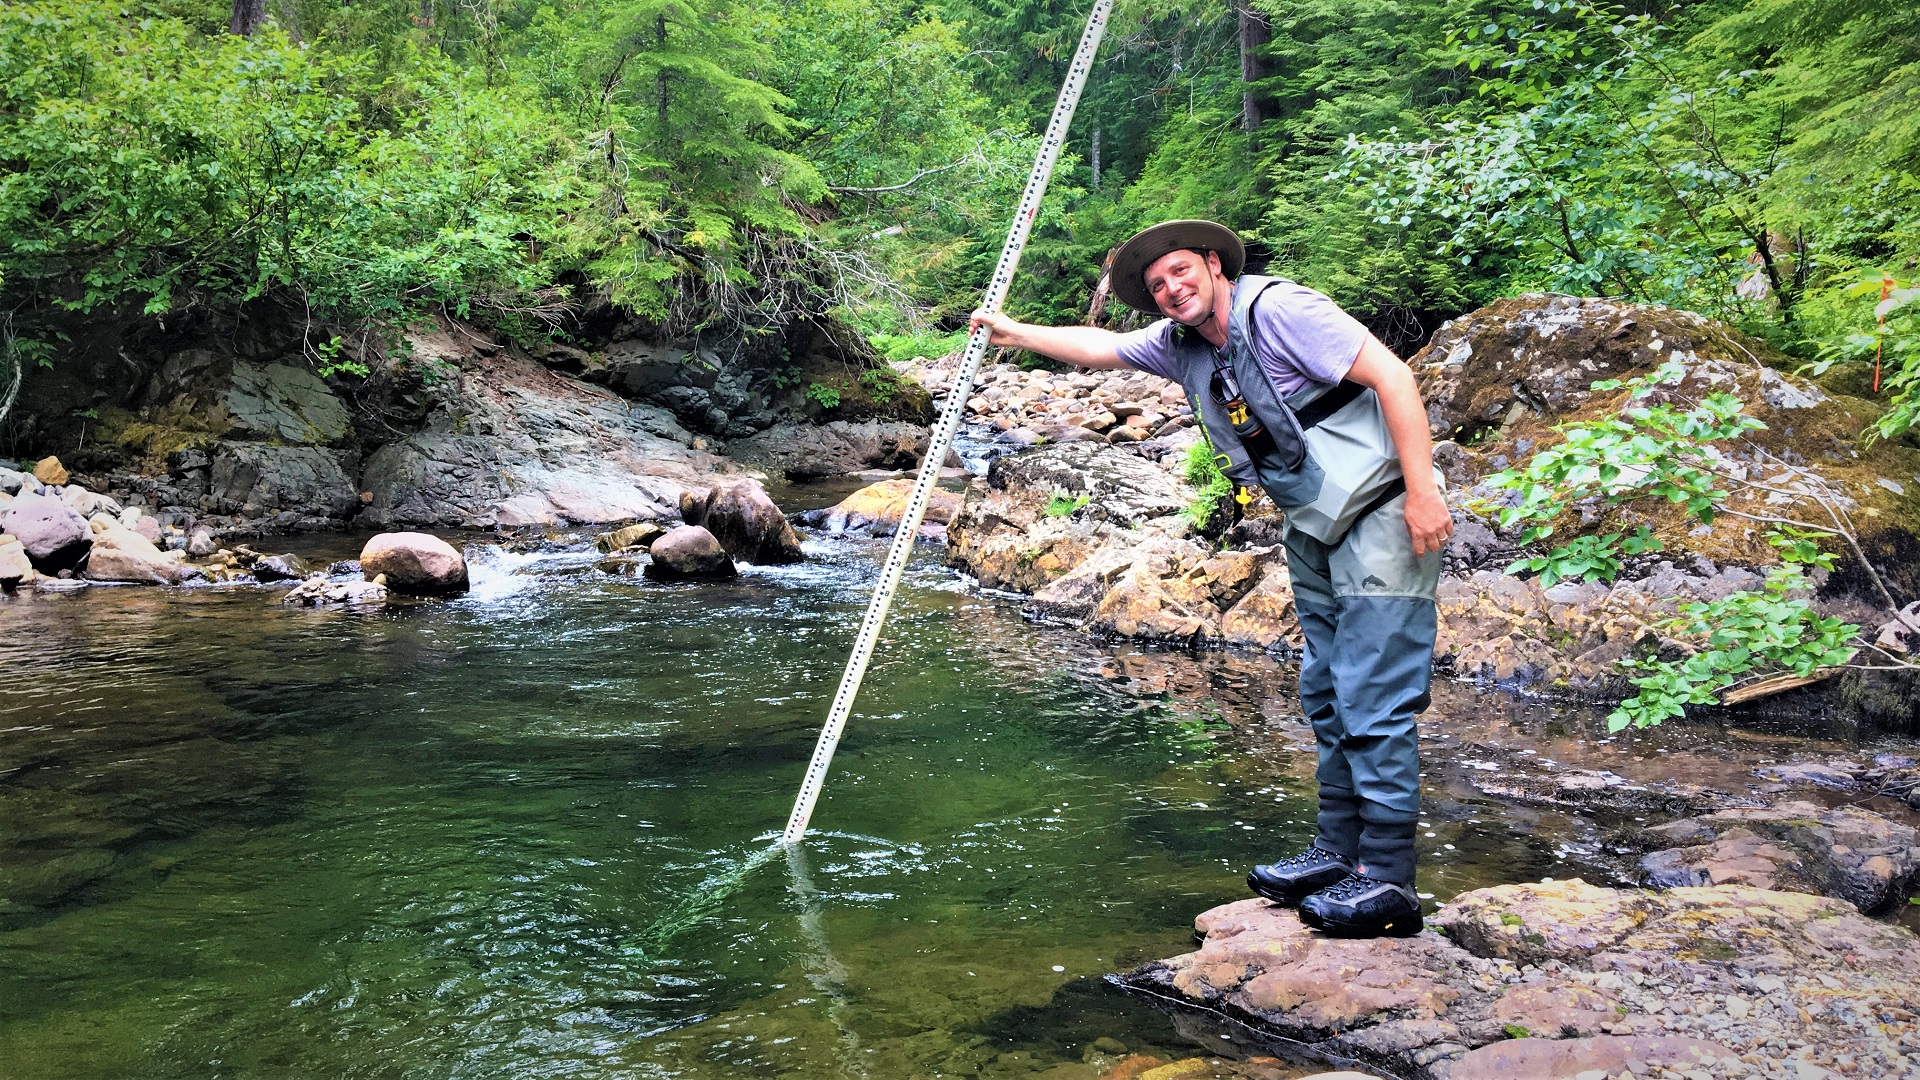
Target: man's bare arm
1084, 346
1427, 517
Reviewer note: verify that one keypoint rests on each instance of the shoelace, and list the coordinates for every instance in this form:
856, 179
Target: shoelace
1349, 887
1305, 859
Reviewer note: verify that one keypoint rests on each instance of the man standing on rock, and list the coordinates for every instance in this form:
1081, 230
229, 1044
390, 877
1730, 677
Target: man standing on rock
1299, 399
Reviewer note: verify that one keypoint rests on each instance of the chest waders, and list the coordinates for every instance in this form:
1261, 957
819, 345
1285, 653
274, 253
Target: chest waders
1363, 598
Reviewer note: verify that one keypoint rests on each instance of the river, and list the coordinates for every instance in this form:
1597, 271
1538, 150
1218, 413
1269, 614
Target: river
523, 833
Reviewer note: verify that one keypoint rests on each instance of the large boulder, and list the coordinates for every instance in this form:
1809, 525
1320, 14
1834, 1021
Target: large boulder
52, 535
744, 519
122, 555
1498, 379
689, 553
419, 564
878, 509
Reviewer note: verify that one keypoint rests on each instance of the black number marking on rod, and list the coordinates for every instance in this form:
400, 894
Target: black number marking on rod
949, 423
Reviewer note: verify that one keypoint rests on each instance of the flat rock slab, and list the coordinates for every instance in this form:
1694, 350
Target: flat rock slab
1846, 852
1564, 979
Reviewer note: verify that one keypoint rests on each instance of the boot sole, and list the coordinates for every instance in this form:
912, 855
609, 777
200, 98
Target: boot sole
1403, 927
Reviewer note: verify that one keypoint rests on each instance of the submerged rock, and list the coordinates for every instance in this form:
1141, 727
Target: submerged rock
689, 553
878, 509
1560, 978
633, 536
745, 521
1845, 852
419, 564
317, 591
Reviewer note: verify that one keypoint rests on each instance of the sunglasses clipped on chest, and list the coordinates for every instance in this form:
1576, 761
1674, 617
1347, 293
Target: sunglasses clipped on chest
1288, 451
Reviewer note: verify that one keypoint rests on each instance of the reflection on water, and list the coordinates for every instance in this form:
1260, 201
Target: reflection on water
527, 832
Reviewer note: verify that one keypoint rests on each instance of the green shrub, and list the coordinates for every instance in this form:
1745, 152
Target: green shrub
1211, 487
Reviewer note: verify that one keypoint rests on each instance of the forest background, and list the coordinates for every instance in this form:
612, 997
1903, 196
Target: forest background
731, 165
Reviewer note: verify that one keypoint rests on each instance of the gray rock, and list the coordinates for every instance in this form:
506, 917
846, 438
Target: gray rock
11, 482
54, 537
533, 448
201, 544
317, 591
289, 567
87, 503
254, 479
688, 553
287, 404
809, 452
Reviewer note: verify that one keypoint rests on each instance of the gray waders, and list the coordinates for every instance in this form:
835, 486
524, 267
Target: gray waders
1364, 599
1366, 610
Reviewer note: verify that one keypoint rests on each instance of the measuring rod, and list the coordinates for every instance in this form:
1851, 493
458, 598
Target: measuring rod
944, 429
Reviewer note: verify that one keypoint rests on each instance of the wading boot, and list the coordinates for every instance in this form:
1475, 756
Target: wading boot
1297, 877
1362, 907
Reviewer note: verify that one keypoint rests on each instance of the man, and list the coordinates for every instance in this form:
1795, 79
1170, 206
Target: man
1295, 396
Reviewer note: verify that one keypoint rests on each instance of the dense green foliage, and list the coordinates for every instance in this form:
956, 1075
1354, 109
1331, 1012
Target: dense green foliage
718, 161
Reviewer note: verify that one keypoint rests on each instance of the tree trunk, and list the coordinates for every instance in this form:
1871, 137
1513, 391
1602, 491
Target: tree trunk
1254, 32
1097, 310
247, 16
660, 82
1094, 159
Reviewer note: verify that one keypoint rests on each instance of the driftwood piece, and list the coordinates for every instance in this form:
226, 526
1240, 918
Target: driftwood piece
1776, 684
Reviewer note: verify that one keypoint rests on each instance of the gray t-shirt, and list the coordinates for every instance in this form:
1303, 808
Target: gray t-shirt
1299, 336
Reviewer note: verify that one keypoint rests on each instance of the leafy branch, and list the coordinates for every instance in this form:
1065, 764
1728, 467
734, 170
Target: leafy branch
1661, 447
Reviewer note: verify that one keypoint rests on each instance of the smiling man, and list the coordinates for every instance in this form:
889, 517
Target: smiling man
1300, 400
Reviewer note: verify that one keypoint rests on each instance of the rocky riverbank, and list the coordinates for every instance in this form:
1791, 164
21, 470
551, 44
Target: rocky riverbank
1090, 524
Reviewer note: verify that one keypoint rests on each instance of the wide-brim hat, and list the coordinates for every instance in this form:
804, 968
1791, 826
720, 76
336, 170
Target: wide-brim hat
1129, 271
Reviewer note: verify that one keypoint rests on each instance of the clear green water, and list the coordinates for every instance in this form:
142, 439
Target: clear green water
512, 835
475, 838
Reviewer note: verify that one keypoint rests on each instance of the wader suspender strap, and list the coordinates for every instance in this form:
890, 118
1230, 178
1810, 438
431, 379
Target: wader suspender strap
1342, 395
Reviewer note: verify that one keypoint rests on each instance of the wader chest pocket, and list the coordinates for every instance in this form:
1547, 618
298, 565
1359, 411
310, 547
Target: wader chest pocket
1277, 449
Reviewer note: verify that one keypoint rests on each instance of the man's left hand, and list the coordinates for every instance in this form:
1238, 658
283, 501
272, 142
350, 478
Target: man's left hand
1428, 520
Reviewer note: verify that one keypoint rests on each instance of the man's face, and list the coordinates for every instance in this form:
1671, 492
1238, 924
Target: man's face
1183, 283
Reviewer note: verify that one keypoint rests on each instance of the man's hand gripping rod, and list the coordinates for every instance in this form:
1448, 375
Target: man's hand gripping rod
943, 430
